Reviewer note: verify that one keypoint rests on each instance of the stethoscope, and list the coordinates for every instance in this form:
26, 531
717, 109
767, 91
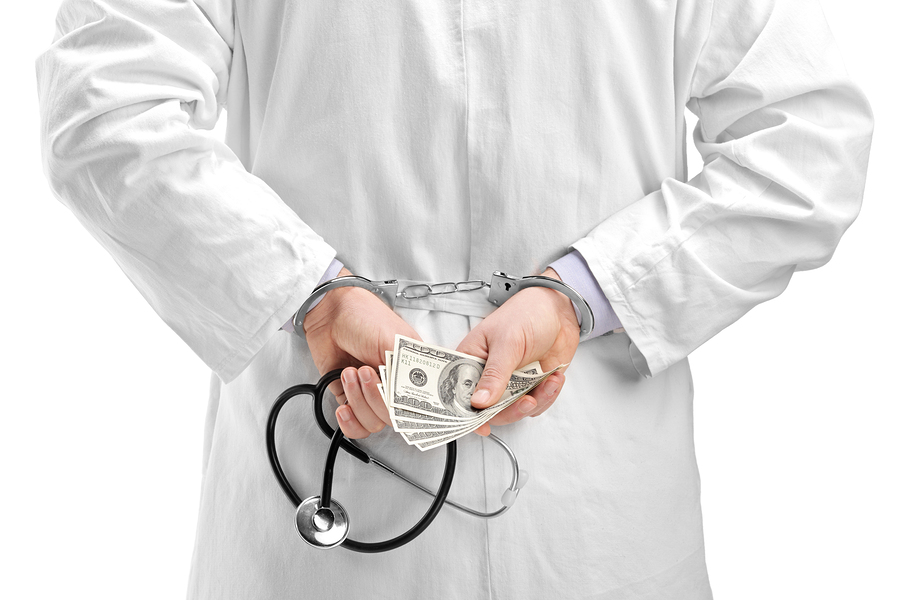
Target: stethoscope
323, 523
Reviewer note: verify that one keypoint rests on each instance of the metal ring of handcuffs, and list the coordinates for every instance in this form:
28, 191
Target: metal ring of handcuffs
320, 520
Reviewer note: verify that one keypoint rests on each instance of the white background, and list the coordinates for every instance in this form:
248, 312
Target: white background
100, 438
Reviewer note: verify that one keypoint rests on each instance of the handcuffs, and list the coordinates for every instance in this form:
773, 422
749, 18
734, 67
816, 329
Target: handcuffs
502, 288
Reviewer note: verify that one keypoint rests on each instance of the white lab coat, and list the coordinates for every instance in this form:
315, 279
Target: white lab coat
439, 141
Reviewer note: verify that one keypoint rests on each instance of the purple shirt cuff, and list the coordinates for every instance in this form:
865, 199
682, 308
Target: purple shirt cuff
573, 270
330, 273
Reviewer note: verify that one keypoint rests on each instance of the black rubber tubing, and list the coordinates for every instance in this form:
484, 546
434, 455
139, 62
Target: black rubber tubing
317, 392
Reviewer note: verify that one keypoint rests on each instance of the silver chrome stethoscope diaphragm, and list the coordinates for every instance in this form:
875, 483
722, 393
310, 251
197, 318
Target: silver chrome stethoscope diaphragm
322, 527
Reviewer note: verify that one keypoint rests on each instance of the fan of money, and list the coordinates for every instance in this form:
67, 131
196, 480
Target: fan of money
428, 390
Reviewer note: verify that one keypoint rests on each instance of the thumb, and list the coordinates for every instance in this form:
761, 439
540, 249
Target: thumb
502, 360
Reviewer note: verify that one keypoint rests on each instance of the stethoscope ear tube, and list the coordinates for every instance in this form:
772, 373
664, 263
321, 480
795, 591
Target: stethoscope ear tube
424, 522
282, 399
317, 391
318, 397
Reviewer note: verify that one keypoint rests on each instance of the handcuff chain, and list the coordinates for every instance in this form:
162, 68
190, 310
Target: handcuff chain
423, 290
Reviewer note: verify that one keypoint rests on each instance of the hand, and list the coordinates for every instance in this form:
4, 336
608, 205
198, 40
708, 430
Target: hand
535, 324
352, 328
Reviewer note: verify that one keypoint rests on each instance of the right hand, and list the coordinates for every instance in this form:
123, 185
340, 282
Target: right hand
351, 328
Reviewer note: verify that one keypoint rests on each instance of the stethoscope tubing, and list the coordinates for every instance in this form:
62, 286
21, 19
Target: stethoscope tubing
513, 485
338, 441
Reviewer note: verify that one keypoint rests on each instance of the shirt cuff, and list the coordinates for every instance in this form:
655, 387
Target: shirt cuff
330, 273
573, 270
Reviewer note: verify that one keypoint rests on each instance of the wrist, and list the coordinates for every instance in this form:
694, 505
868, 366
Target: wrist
564, 306
336, 305
328, 305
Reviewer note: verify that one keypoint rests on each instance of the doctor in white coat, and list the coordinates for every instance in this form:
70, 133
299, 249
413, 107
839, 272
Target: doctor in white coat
440, 141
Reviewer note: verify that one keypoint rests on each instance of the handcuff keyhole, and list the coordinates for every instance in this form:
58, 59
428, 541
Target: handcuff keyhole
508, 286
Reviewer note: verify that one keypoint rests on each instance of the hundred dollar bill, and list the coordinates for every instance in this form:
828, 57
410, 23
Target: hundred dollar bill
428, 442
439, 382
383, 374
415, 437
422, 416
437, 442
388, 361
532, 369
410, 412
386, 371
400, 415
410, 426
404, 420
433, 380
517, 387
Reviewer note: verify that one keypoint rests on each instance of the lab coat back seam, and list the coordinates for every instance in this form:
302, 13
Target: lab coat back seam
465, 75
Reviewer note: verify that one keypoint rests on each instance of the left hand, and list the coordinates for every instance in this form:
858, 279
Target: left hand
535, 324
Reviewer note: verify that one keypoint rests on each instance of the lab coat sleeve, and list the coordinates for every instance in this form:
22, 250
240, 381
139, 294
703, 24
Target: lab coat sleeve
785, 138
573, 270
128, 92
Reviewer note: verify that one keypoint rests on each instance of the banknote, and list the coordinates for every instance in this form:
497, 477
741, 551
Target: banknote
484, 416
403, 420
433, 380
428, 391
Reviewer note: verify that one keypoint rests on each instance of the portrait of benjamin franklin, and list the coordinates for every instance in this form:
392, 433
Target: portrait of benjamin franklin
456, 384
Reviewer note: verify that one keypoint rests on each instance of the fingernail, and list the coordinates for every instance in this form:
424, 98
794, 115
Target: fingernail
344, 415
365, 375
348, 377
526, 406
481, 397
551, 389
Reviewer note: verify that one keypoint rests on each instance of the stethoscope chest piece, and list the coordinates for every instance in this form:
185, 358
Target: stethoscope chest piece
322, 527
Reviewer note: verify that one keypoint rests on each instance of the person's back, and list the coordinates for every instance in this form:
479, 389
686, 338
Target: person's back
435, 142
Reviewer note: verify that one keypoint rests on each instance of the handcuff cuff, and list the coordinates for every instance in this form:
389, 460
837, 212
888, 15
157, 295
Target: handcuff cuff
502, 288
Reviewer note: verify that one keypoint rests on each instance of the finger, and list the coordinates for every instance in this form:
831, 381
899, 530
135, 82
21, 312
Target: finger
547, 393
349, 424
368, 379
484, 430
533, 404
336, 387
520, 409
502, 360
474, 344
357, 401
